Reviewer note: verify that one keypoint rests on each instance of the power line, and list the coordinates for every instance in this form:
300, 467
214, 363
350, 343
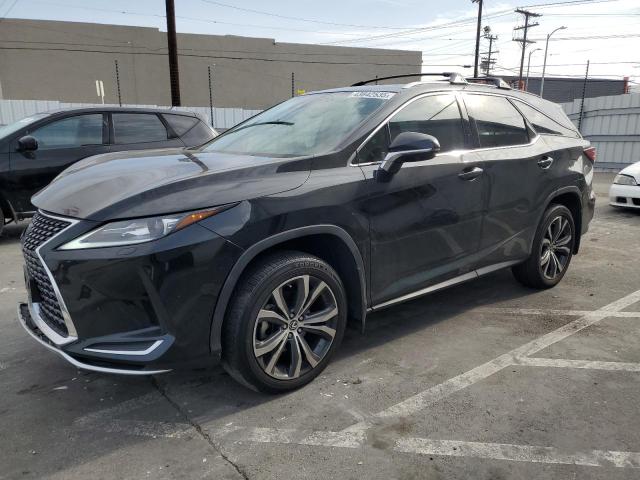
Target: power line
298, 19
209, 56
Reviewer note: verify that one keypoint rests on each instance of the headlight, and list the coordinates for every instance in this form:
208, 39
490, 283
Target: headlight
625, 180
139, 230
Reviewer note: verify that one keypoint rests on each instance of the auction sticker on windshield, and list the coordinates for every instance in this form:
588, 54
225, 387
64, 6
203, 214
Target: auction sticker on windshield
382, 95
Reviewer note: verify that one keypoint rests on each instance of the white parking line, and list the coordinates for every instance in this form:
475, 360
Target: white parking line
450, 448
586, 364
425, 398
518, 453
556, 312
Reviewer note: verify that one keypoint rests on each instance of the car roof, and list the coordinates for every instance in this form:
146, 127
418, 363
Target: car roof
418, 87
58, 111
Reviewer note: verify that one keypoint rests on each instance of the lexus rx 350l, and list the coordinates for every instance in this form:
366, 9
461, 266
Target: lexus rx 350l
259, 247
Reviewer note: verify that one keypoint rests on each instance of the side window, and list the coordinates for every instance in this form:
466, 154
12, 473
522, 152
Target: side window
198, 135
542, 123
70, 132
499, 124
376, 148
436, 115
138, 128
180, 124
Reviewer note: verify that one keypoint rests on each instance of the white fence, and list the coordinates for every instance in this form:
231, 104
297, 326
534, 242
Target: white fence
13, 110
612, 124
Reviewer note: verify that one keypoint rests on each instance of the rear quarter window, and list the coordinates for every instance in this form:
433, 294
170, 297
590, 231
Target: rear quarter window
542, 123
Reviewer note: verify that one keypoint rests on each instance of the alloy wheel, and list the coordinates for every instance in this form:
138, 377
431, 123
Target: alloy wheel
295, 328
556, 248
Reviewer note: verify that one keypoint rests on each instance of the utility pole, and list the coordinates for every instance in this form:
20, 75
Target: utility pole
584, 93
526, 83
544, 66
487, 62
172, 46
118, 83
210, 95
477, 59
525, 28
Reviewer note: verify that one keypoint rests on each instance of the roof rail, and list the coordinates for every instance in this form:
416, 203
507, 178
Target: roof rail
454, 78
495, 81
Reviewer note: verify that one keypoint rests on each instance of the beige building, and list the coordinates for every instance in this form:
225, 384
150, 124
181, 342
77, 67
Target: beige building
50, 60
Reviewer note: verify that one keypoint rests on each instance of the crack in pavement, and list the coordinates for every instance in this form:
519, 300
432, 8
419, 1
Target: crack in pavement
207, 438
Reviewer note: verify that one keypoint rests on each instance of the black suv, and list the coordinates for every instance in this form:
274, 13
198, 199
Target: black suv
259, 247
37, 148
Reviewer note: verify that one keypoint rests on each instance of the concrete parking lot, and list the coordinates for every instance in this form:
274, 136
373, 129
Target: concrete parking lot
487, 380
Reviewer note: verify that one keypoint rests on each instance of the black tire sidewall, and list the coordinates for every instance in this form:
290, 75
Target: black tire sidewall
259, 378
552, 213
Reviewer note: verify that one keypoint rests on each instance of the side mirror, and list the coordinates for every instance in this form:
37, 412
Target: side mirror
27, 144
408, 147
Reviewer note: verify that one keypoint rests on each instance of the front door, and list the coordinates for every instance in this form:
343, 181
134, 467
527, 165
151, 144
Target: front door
425, 220
61, 143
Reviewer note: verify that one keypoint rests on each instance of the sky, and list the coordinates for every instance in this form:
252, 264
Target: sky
605, 32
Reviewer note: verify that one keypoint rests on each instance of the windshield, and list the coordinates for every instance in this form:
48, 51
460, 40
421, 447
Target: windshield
15, 126
306, 125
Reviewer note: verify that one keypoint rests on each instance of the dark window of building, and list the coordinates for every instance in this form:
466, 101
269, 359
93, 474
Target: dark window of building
498, 122
138, 128
70, 132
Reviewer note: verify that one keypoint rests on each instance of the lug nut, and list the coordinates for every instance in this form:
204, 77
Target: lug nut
299, 330
290, 335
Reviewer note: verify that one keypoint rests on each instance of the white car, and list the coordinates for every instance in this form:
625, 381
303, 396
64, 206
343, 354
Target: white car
625, 190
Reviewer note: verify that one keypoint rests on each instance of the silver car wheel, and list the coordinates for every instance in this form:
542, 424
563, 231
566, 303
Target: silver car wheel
295, 327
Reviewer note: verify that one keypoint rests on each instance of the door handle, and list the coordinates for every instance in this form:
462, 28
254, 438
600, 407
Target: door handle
545, 162
470, 173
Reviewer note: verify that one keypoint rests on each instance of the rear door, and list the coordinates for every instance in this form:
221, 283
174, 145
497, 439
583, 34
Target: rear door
517, 164
425, 221
61, 142
141, 131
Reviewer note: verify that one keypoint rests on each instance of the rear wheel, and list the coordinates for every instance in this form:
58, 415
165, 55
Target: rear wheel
285, 321
551, 252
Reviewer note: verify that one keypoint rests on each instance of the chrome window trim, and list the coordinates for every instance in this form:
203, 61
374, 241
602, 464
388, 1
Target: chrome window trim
71, 329
146, 351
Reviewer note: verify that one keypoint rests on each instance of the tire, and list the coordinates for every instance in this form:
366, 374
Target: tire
256, 330
554, 240
1, 220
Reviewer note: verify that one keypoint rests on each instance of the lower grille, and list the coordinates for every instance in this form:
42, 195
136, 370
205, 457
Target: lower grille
40, 230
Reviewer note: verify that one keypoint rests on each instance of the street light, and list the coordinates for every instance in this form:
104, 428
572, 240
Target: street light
526, 83
546, 49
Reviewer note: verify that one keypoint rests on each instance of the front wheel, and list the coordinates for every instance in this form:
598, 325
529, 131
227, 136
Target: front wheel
551, 252
286, 320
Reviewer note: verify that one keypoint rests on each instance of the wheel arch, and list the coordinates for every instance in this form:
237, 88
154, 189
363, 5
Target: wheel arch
329, 242
569, 197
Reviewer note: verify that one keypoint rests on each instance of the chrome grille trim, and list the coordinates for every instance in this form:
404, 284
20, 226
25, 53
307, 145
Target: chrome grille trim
34, 307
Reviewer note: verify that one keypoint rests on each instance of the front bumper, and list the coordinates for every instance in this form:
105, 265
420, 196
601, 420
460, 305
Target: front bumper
136, 310
624, 196
31, 325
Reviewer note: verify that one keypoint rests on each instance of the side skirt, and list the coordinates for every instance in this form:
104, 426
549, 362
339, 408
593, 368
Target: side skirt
447, 283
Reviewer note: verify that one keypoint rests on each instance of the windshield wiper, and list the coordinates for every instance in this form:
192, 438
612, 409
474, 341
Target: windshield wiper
264, 123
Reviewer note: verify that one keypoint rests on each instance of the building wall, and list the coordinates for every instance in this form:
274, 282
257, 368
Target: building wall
49, 60
561, 90
612, 124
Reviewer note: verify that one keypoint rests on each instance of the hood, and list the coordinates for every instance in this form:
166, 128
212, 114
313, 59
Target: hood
633, 170
154, 182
